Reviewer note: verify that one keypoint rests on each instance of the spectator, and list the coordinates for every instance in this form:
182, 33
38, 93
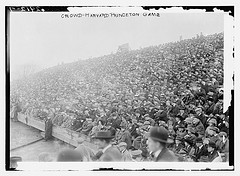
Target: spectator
157, 140
167, 85
84, 150
212, 152
109, 152
125, 153
199, 150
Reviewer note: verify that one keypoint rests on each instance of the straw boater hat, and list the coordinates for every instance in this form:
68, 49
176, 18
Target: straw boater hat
103, 135
122, 144
136, 153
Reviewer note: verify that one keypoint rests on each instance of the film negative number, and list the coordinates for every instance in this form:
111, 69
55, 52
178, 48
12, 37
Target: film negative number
26, 9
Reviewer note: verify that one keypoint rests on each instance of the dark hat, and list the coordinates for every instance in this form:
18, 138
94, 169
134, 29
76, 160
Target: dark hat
103, 135
189, 141
199, 140
210, 99
180, 117
221, 97
69, 155
159, 134
212, 144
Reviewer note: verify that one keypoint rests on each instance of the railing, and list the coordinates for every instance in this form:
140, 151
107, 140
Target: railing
63, 134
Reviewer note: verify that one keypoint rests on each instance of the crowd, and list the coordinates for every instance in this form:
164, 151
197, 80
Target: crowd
178, 86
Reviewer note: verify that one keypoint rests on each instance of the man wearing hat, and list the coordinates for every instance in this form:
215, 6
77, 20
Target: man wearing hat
137, 155
213, 133
198, 126
200, 115
87, 152
125, 136
87, 126
200, 150
179, 144
157, 141
126, 156
223, 142
181, 130
211, 105
212, 152
109, 152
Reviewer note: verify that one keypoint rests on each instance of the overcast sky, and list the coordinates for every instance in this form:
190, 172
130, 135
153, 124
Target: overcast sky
46, 39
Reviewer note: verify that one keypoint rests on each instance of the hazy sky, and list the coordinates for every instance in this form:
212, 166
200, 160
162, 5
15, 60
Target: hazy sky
46, 39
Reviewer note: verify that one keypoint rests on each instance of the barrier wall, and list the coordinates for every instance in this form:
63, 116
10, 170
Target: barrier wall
62, 134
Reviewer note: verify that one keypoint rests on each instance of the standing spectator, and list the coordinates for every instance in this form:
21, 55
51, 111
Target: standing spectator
84, 150
157, 140
48, 128
109, 152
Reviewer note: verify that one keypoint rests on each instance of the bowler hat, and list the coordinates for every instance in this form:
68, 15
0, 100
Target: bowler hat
103, 135
159, 134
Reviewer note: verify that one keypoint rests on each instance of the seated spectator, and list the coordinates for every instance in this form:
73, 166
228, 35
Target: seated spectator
136, 155
125, 153
199, 150
212, 152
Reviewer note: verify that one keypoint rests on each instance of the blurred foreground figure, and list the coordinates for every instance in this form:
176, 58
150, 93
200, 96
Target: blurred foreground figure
85, 151
157, 140
69, 155
45, 157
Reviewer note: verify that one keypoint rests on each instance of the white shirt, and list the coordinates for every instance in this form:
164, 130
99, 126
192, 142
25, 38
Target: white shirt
104, 150
157, 153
